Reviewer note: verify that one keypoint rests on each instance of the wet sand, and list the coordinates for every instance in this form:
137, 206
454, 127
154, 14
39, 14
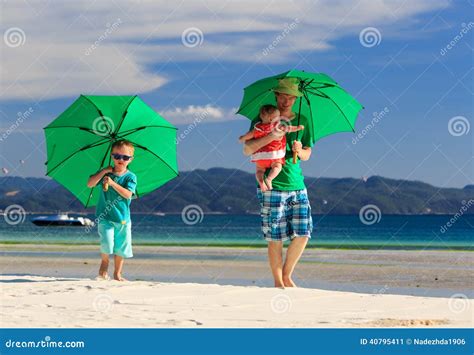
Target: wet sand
422, 273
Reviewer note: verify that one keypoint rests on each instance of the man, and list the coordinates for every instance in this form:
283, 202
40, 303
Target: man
285, 210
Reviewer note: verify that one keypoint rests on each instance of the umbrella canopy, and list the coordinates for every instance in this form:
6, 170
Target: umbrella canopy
328, 107
79, 143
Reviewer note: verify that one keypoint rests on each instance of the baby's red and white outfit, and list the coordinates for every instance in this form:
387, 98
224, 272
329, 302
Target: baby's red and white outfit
274, 151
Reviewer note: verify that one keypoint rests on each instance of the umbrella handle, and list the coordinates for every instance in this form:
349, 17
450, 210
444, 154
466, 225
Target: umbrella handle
105, 187
295, 157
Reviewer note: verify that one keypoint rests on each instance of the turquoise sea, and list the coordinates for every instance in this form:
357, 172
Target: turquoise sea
332, 231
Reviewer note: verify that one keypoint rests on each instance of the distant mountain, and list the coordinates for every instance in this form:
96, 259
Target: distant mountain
233, 191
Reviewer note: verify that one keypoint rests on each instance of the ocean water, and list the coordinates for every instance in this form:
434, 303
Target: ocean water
334, 231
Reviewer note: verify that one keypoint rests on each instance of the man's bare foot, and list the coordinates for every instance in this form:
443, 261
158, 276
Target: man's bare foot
288, 282
118, 277
279, 285
102, 277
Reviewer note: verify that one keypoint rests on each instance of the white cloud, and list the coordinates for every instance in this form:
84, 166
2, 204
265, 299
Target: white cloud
108, 47
195, 113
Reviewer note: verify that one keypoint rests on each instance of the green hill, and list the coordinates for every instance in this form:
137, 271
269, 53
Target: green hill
221, 190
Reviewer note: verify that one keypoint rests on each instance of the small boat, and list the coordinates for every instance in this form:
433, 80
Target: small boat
62, 219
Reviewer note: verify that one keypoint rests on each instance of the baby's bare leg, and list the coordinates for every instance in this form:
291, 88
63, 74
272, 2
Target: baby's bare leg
275, 170
259, 175
104, 265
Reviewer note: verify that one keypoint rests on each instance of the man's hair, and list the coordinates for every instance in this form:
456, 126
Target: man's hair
123, 143
267, 109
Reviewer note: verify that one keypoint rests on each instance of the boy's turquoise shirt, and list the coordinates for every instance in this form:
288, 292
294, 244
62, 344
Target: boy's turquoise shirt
112, 206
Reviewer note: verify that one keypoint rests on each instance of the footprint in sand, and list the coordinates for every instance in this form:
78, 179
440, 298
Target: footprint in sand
391, 322
188, 322
175, 322
9, 310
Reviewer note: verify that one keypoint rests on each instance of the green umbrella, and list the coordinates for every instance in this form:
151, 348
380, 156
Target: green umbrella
328, 107
79, 143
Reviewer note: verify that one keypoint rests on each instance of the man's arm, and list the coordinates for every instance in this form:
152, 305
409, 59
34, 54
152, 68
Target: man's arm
252, 145
304, 153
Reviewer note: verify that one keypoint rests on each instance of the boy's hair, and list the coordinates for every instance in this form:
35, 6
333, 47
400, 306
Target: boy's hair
267, 109
123, 143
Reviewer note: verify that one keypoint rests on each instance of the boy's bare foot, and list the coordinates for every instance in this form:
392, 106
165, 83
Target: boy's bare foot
104, 266
102, 277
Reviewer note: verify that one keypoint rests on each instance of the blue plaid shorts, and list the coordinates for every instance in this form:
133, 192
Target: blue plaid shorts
285, 214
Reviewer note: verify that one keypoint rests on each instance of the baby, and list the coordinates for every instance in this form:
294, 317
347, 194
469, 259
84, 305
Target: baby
272, 155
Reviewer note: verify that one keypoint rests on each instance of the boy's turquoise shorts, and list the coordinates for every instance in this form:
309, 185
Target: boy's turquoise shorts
116, 238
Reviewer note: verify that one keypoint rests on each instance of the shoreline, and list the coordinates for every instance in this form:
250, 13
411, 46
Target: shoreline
218, 213
261, 245
432, 273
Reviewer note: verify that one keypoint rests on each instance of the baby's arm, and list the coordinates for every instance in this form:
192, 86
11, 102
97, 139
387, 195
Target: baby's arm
247, 136
289, 129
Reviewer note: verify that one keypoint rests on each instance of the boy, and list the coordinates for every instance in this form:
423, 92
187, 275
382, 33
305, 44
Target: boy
113, 209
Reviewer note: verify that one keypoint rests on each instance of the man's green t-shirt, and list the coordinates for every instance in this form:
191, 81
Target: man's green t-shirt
112, 206
291, 176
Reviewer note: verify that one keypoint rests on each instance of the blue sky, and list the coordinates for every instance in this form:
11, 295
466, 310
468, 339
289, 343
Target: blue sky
51, 53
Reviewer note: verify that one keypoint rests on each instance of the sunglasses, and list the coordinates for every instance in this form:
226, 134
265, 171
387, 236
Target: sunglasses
122, 157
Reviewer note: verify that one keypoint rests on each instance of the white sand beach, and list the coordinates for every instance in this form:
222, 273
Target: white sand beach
38, 301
